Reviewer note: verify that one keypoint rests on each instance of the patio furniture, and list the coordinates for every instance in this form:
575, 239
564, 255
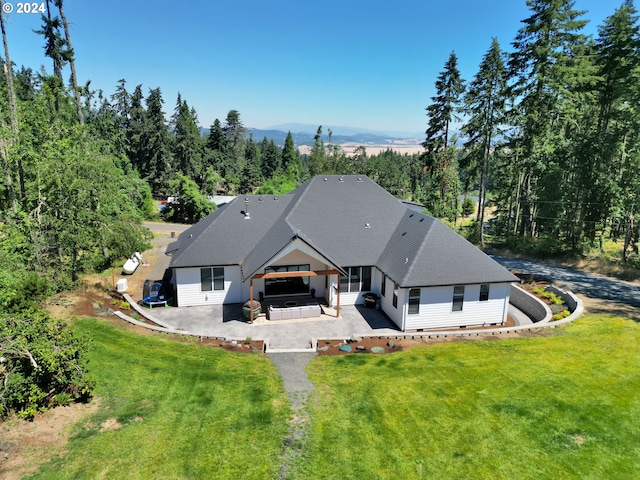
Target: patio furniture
300, 311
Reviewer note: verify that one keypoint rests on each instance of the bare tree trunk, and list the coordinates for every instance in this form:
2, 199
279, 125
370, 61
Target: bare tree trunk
4, 148
72, 63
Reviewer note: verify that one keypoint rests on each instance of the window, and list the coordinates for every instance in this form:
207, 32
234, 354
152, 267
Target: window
395, 295
358, 279
286, 285
354, 279
458, 298
366, 279
211, 279
414, 301
205, 280
484, 292
383, 287
218, 278
344, 281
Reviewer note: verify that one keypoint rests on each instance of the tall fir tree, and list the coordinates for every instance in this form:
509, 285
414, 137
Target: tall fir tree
543, 73
187, 151
156, 158
441, 186
317, 161
485, 109
445, 106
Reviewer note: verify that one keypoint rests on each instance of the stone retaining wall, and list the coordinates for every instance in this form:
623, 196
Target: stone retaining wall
527, 303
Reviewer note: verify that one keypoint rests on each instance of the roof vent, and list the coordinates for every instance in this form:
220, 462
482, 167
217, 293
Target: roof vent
367, 225
360, 179
341, 179
421, 219
275, 199
406, 259
246, 209
325, 179
411, 216
404, 233
261, 199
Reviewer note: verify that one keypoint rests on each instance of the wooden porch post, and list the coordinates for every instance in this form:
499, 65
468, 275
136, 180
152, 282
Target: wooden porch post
338, 304
251, 300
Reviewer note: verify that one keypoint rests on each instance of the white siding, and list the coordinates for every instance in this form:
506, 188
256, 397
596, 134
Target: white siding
436, 308
189, 293
386, 302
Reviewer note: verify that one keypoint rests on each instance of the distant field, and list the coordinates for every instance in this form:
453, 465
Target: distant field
409, 146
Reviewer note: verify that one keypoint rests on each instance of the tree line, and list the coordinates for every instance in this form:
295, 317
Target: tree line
549, 130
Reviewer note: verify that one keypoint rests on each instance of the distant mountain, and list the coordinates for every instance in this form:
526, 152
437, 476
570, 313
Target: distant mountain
340, 135
341, 130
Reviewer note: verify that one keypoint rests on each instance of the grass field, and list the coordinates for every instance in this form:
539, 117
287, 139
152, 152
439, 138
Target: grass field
175, 410
563, 406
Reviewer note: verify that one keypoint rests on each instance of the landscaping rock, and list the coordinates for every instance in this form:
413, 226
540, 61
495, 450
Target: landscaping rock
377, 349
390, 344
361, 348
324, 349
355, 339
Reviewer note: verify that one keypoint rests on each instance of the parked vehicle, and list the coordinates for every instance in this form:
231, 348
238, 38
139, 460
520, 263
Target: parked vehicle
132, 264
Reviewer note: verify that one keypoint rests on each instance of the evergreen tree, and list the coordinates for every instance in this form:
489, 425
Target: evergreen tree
155, 140
56, 47
271, 162
134, 128
250, 178
445, 106
613, 169
441, 185
485, 107
235, 137
70, 56
187, 151
216, 141
544, 72
7, 143
317, 162
291, 161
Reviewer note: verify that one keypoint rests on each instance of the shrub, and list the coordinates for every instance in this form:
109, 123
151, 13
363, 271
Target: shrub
468, 207
124, 305
560, 315
42, 364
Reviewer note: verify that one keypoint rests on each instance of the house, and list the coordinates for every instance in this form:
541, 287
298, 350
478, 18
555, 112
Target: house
340, 237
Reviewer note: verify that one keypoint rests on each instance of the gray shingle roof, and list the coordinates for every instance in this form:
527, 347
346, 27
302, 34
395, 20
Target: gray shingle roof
424, 252
348, 219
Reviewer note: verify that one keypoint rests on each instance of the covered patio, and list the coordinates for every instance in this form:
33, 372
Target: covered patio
294, 301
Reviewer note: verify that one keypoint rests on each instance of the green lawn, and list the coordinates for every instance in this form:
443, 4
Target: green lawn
186, 411
560, 406
566, 405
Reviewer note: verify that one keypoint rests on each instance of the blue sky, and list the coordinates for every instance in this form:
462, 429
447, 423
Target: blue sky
362, 63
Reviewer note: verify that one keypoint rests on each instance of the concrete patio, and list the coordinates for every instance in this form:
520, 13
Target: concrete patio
227, 321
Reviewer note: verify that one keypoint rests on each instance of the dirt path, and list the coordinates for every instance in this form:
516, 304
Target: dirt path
291, 367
